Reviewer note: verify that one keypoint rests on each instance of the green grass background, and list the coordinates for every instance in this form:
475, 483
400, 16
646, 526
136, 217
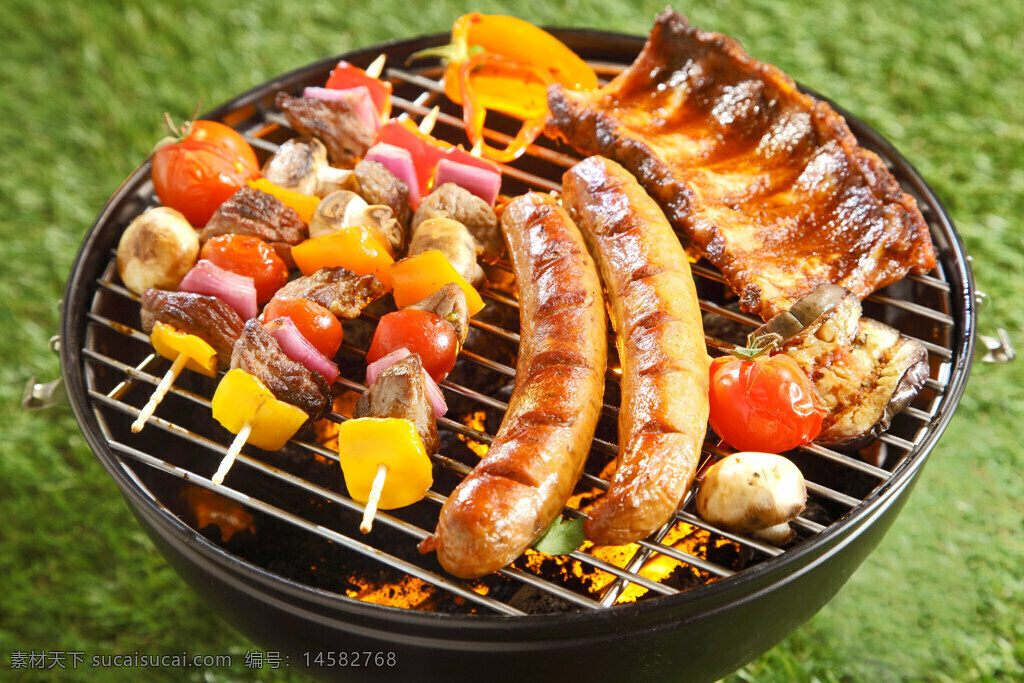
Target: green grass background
84, 85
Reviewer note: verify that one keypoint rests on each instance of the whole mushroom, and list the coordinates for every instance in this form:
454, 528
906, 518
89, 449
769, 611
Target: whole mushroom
157, 249
752, 492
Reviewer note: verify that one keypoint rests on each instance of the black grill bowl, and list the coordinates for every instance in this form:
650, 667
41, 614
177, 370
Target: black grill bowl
700, 634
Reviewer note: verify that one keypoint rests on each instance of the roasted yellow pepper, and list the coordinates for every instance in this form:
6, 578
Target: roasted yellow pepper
417, 277
170, 343
243, 401
368, 442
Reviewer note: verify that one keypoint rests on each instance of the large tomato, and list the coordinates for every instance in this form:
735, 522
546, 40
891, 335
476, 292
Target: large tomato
197, 172
422, 332
766, 404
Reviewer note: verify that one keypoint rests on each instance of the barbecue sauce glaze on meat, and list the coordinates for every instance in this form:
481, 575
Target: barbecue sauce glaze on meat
766, 182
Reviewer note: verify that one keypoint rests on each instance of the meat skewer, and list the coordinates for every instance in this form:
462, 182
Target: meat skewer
399, 393
538, 454
270, 381
660, 339
195, 327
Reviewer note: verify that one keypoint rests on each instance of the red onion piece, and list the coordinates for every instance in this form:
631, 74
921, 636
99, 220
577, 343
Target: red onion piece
374, 369
399, 162
483, 183
237, 291
435, 395
358, 99
378, 366
300, 349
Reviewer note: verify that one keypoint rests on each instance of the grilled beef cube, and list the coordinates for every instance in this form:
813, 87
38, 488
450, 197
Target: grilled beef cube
254, 212
401, 392
337, 289
864, 371
259, 354
378, 185
207, 317
335, 123
451, 201
449, 302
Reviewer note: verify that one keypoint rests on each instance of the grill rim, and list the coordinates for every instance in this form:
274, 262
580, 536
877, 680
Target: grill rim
687, 604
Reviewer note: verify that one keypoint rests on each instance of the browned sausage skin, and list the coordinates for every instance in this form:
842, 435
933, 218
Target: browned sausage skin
660, 340
538, 454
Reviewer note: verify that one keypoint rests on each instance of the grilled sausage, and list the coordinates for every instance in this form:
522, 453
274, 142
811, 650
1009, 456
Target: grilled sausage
537, 456
660, 339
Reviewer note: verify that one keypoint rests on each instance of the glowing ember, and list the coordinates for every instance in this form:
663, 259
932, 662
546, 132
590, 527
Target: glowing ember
409, 593
475, 420
327, 430
213, 508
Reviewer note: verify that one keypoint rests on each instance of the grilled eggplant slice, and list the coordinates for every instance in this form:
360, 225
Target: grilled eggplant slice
864, 371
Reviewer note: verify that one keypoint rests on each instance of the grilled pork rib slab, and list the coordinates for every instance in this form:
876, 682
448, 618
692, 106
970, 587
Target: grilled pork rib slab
766, 182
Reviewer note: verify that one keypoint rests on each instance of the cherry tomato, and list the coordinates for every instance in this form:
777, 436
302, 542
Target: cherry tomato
249, 256
421, 332
317, 324
767, 404
197, 173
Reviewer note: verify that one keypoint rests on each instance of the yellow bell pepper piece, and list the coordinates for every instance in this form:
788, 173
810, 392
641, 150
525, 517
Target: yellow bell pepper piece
354, 248
367, 442
241, 399
170, 343
302, 204
417, 277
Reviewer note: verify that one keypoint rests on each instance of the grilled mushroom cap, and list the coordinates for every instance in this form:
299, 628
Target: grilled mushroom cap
452, 239
300, 165
157, 250
749, 492
343, 209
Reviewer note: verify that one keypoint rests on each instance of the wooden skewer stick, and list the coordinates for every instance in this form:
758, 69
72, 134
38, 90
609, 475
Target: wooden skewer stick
429, 121
158, 394
376, 67
371, 505
233, 451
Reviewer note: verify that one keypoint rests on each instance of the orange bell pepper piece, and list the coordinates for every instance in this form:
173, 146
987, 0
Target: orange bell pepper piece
505, 64
518, 41
417, 277
354, 248
302, 204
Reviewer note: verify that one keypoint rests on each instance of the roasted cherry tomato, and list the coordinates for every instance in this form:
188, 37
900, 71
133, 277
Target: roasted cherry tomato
421, 332
208, 163
766, 404
249, 256
317, 324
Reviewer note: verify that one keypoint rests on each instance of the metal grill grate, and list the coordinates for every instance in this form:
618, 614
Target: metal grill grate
182, 444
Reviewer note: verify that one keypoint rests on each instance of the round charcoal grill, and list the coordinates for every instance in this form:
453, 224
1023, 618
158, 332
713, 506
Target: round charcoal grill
692, 601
